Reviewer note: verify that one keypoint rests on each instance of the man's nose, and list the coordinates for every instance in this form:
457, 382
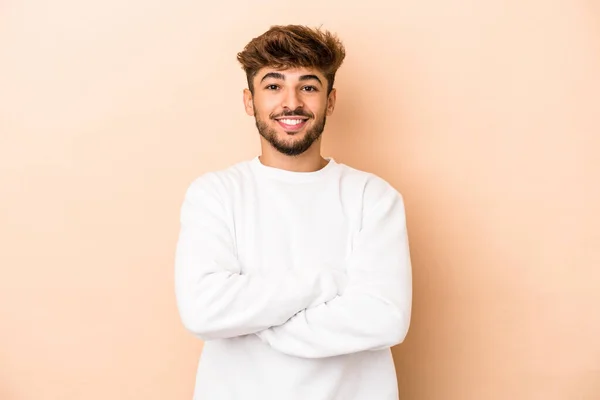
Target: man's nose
292, 100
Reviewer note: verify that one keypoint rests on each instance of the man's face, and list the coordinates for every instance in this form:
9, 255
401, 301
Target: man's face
290, 107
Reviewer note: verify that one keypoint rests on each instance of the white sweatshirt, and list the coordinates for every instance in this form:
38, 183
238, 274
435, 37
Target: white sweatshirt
298, 282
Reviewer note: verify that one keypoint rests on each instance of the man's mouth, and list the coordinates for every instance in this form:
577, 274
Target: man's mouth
292, 124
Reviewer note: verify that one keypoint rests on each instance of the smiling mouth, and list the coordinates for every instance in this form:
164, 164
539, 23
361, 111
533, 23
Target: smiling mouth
292, 124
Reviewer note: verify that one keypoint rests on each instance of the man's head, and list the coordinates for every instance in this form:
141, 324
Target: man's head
290, 72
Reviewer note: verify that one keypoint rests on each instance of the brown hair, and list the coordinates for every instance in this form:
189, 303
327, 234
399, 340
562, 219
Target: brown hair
293, 46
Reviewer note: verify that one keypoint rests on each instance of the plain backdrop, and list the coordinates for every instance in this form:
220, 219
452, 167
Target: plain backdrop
484, 114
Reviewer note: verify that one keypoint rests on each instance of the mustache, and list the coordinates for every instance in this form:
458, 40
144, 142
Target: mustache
295, 113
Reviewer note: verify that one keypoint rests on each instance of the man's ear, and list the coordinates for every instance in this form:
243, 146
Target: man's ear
331, 101
248, 102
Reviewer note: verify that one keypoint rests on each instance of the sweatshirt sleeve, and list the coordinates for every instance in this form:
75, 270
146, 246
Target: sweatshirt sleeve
214, 297
374, 310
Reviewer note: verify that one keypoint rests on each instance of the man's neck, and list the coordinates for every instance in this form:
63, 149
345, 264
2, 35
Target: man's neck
306, 162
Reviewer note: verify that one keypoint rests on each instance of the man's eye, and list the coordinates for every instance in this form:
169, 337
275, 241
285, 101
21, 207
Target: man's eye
309, 89
272, 87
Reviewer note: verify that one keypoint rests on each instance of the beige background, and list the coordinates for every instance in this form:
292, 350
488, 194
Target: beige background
484, 114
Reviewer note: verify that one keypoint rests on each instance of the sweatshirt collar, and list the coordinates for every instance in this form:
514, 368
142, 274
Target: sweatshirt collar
292, 176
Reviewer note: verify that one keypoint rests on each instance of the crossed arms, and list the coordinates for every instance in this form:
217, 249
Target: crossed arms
310, 312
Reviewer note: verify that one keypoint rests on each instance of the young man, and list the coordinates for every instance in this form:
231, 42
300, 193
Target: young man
293, 268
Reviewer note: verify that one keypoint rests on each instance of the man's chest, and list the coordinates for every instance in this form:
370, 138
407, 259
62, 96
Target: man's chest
276, 230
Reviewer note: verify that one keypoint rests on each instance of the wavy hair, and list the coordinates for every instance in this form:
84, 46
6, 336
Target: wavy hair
293, 46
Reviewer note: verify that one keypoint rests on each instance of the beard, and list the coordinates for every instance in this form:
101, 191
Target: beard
291, 147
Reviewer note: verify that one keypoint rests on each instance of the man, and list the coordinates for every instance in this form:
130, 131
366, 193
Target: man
293, 268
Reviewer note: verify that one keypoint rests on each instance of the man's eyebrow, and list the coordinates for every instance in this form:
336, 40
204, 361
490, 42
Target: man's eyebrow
275, 75
279, 75
310, 77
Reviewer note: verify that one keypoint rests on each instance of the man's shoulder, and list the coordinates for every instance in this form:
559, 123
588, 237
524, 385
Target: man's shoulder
219, 181
371, 183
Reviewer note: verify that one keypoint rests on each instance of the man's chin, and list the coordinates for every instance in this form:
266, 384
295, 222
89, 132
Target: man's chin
292, 137
290, 147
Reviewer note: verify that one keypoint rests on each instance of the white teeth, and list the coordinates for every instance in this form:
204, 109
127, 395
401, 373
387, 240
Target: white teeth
291, 121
